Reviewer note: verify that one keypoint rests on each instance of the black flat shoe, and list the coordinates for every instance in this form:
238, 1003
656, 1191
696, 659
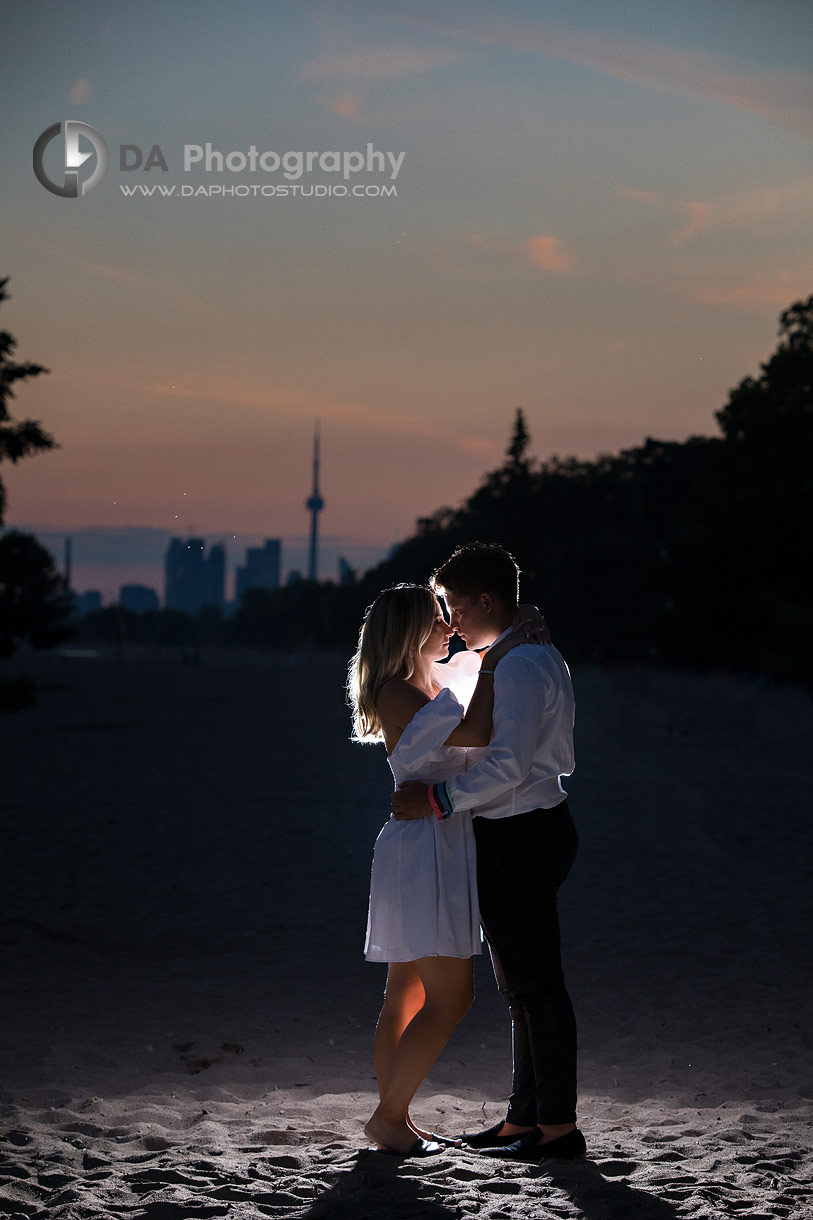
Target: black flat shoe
490, 1138
528, 1148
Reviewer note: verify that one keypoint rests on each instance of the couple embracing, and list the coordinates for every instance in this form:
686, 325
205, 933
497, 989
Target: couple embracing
481, 835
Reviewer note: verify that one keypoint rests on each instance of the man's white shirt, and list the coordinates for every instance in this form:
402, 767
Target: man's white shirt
532, 743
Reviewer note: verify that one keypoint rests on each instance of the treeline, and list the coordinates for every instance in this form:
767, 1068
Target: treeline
692, 554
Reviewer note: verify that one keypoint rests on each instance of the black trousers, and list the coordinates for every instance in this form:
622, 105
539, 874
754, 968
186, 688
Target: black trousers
521, 863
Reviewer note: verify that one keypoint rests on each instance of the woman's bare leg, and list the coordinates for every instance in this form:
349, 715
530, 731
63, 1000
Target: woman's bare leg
448, 984
403, 998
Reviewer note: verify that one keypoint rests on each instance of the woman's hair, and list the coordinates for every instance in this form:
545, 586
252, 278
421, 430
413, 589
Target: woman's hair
395, 628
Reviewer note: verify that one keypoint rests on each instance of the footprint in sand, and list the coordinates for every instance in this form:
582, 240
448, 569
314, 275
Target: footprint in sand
500, 1187
617, 1169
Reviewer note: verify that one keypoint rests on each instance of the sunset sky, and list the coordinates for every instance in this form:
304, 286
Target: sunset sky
601, 210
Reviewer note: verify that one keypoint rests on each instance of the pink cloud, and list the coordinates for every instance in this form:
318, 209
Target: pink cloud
698, 218
287, 400
752, 289
546, 252
776, 290
769, 209
637, 196
148, 283
80, 91
346, 104
783, 96
783, 208
478, 447
380, 62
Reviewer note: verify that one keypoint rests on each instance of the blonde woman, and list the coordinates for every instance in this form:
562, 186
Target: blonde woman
423, 915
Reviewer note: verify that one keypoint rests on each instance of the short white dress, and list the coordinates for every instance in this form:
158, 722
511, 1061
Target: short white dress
423, 889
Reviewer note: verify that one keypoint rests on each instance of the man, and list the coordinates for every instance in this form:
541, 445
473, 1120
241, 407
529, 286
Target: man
526, 844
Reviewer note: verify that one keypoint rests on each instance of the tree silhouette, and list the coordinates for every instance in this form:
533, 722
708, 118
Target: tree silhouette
34, 602
17, 439
775, 411
520, 440
751, 520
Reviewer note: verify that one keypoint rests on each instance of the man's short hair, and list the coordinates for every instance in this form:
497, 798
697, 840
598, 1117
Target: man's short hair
480, 567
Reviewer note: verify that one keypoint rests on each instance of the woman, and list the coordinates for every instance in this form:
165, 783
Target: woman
423, 917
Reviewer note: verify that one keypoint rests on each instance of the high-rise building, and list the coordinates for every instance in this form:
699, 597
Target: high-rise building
138, 598
216, 576
193, 578
87, 603
261, 569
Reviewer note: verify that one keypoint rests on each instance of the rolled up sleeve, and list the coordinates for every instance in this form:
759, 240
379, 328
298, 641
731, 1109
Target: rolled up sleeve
520, 694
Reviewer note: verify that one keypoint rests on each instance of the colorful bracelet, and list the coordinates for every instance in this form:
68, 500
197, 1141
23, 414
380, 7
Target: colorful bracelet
445, 800
433, 801
440, 801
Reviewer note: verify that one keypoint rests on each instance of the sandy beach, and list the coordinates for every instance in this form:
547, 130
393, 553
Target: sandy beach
187, 1016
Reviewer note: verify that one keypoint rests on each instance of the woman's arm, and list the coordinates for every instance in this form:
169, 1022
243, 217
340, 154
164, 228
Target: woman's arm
398, 701
475, 727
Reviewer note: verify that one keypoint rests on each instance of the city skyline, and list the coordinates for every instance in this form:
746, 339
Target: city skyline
600, 211
114, 558
99, 553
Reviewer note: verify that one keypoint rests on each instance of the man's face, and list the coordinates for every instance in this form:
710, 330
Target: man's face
472, 619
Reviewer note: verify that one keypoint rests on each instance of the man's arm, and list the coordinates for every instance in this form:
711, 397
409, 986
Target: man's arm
519, 705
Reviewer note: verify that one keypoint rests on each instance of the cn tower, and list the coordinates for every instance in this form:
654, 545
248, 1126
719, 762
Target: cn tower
314, 504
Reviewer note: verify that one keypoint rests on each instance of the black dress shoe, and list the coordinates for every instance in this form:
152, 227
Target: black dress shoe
448, 1141
490, 1138
528, 1148
421, 1147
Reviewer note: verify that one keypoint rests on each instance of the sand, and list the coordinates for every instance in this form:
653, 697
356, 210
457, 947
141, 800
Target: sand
186, 1012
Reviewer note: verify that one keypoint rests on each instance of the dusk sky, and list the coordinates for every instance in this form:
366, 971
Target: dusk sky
601, 209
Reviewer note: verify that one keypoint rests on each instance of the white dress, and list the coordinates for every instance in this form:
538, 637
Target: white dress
423, 889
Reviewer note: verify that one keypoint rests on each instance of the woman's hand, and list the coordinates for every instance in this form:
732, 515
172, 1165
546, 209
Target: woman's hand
529, 628
531, 619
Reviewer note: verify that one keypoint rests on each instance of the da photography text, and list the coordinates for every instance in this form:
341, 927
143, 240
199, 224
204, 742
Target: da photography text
73, 166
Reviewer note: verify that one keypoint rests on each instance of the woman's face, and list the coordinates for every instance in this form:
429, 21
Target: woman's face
436, 646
